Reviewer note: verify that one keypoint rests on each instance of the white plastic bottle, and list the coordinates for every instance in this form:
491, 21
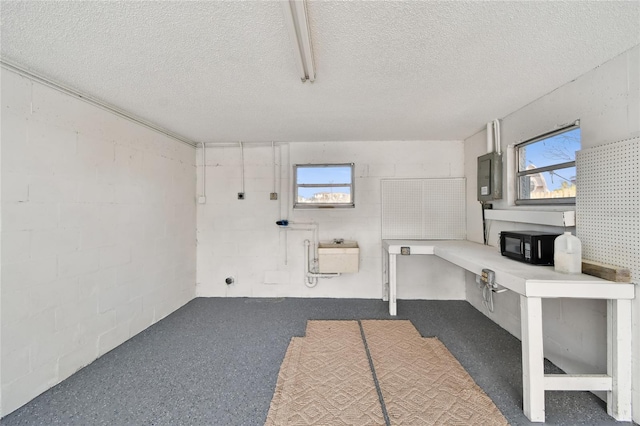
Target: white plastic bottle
567, 254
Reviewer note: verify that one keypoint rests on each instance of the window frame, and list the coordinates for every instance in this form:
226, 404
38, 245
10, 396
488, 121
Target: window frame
557, 166
296, 186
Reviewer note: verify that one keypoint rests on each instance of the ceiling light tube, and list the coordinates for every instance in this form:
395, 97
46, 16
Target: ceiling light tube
287, 10
305, 38
295, 13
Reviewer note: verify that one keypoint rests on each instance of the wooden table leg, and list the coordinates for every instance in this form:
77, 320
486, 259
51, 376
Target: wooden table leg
385, 275
619, 358
532, 358
393, 308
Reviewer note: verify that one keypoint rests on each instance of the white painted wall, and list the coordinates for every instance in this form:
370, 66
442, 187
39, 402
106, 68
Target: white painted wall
98, 234
1, 412
98, 225
607, 102
240, 238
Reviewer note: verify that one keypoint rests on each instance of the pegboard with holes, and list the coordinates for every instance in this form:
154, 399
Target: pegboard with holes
424, 209
608, 204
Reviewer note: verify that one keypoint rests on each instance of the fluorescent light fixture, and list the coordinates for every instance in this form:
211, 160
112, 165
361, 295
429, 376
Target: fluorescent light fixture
295, 14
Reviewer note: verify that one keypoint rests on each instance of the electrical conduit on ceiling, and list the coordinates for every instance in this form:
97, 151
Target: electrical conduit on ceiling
33, 76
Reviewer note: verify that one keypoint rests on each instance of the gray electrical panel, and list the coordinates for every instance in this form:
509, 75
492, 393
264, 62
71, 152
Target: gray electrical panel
490, 177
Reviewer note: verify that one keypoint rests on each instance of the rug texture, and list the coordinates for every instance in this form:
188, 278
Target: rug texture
375, 372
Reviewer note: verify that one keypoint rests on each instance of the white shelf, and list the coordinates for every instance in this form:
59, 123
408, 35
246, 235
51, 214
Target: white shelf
562, 218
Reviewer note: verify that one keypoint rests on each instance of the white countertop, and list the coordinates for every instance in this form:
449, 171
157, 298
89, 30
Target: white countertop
525, 279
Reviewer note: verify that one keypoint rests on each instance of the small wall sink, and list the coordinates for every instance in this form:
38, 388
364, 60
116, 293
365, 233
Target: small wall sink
338, 256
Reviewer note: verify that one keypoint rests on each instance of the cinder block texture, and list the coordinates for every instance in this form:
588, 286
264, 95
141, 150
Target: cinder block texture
605, 100
240, 239
98, 219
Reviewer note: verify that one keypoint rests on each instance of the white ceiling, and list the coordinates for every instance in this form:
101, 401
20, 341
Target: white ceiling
389, 70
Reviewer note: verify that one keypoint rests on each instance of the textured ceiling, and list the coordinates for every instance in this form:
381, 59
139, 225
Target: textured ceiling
403, 70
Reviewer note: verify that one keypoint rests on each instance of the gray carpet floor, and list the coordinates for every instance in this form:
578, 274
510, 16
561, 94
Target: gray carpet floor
216, 361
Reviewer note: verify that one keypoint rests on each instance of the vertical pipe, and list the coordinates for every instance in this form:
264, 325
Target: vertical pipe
287, 181
284, 192
309, 281
242, 165
273, 158
204, 171
496, 134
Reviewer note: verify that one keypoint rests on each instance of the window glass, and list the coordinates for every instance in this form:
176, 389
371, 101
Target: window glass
556, 149
323, 185
546, 168
324, 174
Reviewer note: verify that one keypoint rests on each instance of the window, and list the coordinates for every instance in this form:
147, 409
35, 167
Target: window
323, 185
546, 171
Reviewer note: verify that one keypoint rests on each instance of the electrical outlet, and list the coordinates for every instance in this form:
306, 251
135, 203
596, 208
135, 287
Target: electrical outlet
202, 200
240, 195
273, 196
488, 277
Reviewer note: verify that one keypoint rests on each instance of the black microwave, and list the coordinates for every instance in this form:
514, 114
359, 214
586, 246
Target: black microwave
528, 246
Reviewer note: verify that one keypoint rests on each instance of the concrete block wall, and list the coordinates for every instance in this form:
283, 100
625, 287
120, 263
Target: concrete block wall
240, 239
607, 102
98, 234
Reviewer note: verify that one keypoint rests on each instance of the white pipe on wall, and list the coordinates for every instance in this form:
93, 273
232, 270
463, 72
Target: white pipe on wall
309, 281
204, 173
242, 165
273, 159
311, 226
312, 276
493, 136
490, 142
296, 226
496, 134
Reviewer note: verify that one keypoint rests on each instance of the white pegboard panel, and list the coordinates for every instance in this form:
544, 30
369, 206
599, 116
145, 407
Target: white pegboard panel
424, 209
608, 204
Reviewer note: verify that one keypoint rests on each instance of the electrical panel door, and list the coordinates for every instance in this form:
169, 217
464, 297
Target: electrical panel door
490, 177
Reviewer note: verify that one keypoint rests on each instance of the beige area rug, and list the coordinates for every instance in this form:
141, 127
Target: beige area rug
327, 378
421, 381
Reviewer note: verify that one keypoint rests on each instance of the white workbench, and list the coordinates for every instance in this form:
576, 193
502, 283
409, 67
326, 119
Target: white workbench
533, 283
